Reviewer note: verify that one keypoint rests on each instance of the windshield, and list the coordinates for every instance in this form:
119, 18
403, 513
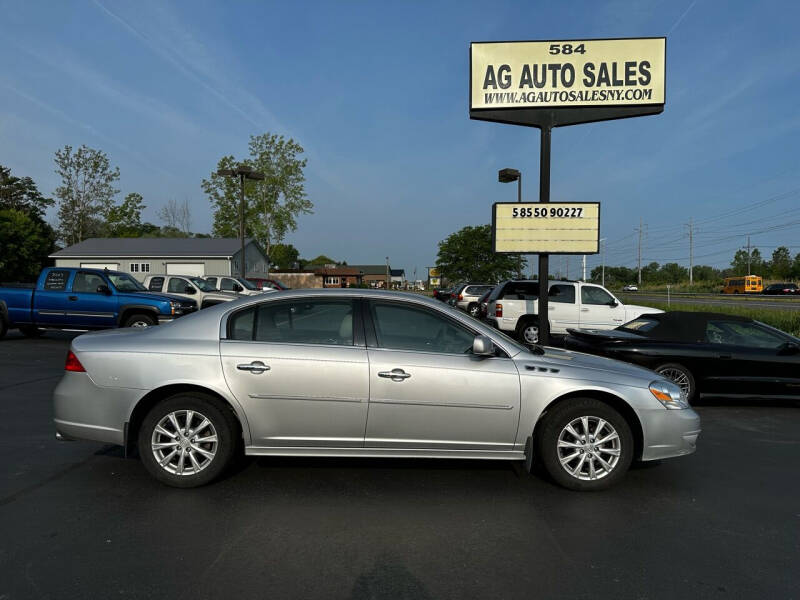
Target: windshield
125, 283
639, 325
202, 284
246, 284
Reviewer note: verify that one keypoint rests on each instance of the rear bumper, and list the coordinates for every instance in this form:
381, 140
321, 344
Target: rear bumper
85, 411
669, 433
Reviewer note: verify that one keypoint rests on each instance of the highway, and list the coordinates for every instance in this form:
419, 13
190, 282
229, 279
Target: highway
754, 302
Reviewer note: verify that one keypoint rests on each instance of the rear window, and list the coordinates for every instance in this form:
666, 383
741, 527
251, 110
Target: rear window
56, 280
520, 290
156, 283
640, 325
477, 290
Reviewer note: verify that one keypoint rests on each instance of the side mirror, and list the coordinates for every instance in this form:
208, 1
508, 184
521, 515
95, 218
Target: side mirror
237, 288
189, 290
482, 346
103, 289
613, 304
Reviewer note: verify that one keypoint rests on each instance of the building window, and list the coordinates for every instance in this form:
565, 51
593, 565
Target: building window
331, 281
145, 267
134, 267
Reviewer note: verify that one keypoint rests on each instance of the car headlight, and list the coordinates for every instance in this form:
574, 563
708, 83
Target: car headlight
669, 394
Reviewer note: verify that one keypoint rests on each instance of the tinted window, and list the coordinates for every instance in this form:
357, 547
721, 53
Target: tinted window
56, 280
640, 325
87, 283
177, 285
476, 290
226, 285
156, 283
409, 328
297, 322
595, 295
212, 281
564, 294
521, 290
742, 333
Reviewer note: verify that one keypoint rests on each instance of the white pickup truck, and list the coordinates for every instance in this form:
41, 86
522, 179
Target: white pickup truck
514, 308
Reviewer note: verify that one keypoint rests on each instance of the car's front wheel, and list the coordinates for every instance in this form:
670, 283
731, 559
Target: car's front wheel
585, 445
139, 321
680, 376
187, 440
474, 310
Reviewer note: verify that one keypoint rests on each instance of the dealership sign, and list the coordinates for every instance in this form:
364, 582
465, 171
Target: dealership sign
606, 79
551, 228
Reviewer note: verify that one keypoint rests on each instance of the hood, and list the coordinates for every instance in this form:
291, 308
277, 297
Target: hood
604, 335
154, 295
634, 310
576, 365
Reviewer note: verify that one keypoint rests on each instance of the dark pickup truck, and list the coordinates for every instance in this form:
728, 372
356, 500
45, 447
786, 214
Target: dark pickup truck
85, 299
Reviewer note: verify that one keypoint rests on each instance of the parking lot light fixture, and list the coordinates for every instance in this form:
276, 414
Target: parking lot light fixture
243, 172
507, 176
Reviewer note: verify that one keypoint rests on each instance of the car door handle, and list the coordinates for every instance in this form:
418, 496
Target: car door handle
584, 310
72, 298
725, 356
395, 374
256, 367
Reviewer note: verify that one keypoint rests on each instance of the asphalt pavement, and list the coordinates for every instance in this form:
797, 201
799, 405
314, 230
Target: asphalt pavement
77, 520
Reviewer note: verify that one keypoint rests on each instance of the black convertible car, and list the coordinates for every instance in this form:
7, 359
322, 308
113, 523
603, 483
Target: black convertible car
704, 353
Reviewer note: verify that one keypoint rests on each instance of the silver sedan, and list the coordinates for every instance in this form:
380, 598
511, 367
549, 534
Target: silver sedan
361, 373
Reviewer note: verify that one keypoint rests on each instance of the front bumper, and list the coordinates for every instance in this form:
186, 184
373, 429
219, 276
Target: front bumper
85, 411
669, 433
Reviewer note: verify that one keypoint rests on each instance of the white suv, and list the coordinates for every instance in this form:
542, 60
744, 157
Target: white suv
514, 308
235, 285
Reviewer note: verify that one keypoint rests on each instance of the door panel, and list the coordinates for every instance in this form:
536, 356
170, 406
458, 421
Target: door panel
596, 312
85, 307
448, 402
426, 388
562, 307
310, 396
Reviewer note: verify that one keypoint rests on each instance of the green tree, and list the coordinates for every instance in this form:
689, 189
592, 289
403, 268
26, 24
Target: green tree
467, 255
781, 264
284, 256
673, 273
706, 273
86, 193
25, 243
796, 266
272, 205
125, 220
740, 262
320, 261
21, 193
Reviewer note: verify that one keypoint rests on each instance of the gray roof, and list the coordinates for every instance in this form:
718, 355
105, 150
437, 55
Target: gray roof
142, 247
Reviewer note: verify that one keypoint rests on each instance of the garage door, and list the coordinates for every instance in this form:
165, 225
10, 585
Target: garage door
109, 266
194, 269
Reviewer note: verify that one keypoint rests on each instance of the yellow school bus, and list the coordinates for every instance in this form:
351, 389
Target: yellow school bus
746, 284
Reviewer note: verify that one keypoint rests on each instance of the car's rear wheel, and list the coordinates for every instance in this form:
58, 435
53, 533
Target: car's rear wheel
585, 444
187, 440
680, 376
473, 310
140, 321
529, 332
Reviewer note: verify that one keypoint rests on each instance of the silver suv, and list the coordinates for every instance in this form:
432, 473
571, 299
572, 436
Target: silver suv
467, 299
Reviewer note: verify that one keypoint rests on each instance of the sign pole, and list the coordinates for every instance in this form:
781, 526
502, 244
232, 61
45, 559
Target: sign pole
544, 259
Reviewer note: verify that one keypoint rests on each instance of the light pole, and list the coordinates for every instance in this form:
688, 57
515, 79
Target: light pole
244, 172
603, 272
507, 176
387, 273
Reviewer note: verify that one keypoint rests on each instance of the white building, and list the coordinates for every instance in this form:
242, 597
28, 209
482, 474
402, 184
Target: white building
173, 256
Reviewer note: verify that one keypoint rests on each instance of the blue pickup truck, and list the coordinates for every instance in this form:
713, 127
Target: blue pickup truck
84, 299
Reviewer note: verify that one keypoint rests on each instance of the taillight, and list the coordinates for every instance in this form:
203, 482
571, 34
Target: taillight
73, 364
498, 310
460, 297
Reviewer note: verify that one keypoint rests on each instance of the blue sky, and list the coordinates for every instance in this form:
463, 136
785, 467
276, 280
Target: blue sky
376, 92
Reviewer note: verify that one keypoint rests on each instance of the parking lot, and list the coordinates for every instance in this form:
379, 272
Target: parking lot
78, 520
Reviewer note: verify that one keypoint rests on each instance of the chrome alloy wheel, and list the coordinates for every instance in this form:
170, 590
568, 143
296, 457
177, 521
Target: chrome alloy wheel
184, 442
140, 323
679, 378
588, 448
530, 333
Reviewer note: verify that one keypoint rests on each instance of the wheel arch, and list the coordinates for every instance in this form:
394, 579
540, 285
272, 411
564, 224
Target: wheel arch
132, 309
614, 401
153, 397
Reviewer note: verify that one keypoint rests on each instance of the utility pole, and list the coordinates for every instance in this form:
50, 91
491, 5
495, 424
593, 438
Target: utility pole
691, 250
388, 279
603, 272
748, 255
640, 229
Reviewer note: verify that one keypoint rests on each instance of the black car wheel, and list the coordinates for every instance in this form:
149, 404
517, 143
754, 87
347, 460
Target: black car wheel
473, 310
528, 332
187, 440
585, 445
139, 321
680, 376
